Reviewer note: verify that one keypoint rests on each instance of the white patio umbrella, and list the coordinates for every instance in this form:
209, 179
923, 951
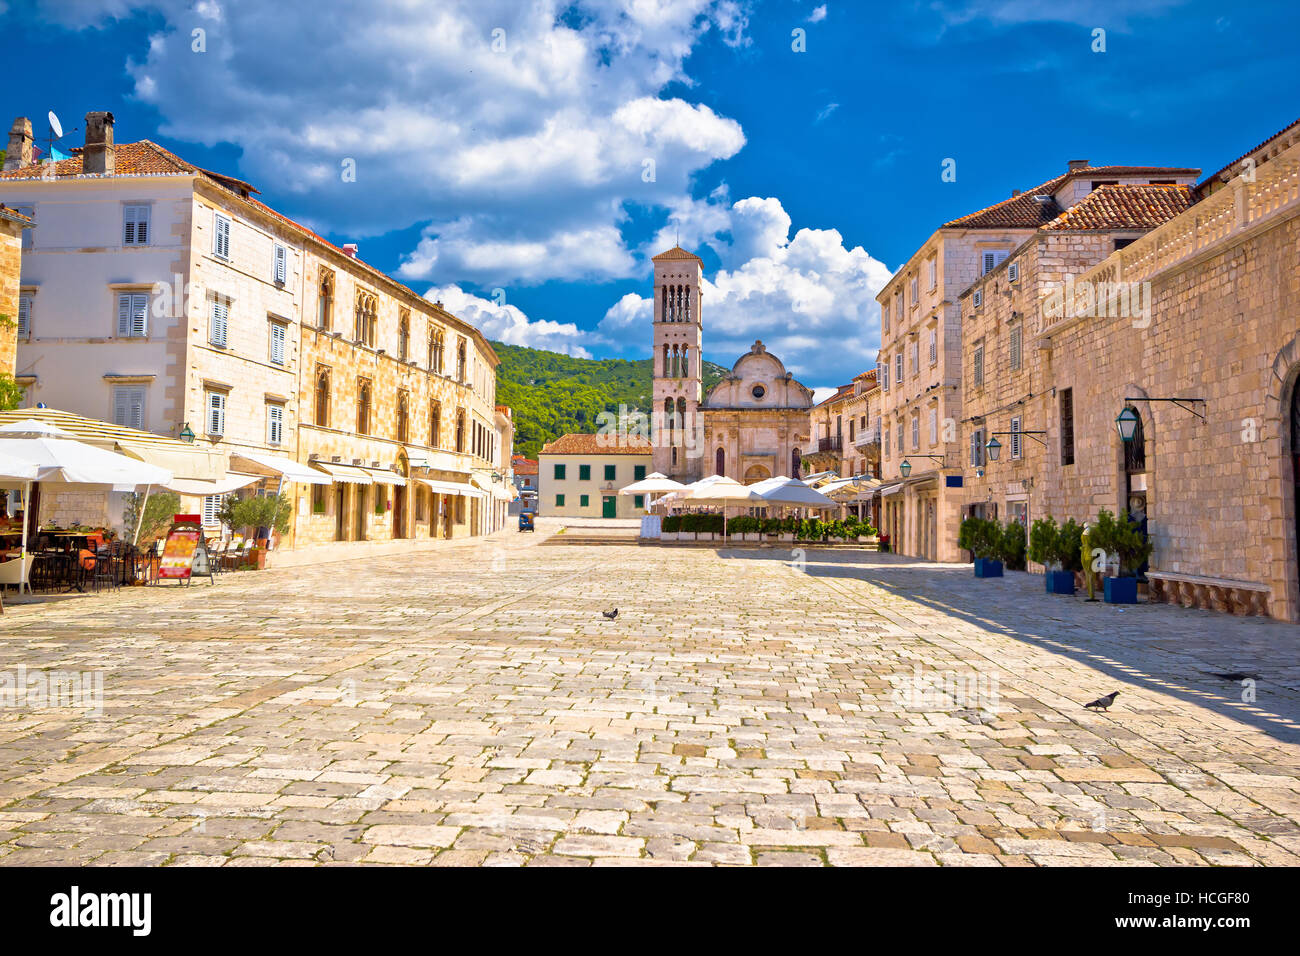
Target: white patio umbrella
792, 491
18, 470
652, 484
63, 460
722, 491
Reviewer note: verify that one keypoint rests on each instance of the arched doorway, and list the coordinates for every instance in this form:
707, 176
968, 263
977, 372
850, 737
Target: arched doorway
1295, 481
399, 501
756, 473
796, 461
1136, 503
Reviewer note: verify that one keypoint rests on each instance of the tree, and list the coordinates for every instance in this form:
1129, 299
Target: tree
157, 516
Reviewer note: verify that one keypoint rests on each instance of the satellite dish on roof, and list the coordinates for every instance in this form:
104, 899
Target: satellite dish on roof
55, 126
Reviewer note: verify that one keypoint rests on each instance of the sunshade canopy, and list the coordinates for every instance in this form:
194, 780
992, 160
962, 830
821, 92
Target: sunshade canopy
16, 469
347, 474
75, 462
232, 482
441, 487
792, 491
652, 484
289, 469
720, 490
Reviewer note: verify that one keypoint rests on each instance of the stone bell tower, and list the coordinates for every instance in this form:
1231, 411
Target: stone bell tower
678, 380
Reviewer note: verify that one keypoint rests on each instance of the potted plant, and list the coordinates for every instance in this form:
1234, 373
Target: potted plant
1121, 538
269, 512
1056, 548
983, 538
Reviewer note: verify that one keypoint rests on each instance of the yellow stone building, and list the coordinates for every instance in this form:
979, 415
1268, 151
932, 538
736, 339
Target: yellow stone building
1189, 324
12, 309
163, 296
921, 351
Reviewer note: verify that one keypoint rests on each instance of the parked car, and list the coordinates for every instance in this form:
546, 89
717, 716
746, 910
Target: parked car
526, 521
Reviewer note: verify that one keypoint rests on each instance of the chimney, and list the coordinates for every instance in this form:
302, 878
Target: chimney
1015, 193
19, 153
99, 156
350, 250
1078, 164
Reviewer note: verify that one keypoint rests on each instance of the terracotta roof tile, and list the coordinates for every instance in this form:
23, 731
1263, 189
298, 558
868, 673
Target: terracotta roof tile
1233, 168
1125, 207
676, 252
1025, 212
574, 444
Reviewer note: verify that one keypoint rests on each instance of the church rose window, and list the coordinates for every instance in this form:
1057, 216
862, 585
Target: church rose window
758, 391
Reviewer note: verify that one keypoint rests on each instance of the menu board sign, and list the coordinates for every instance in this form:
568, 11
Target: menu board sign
185, 553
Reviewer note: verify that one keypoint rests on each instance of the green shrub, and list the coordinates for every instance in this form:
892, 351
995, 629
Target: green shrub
1043, 540
257, 511
157, 516
1122, 537
982, 537
1011, 546
671, 524
1068, 546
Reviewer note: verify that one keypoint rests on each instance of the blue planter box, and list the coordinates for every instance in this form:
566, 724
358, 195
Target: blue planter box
1121, 590
1060, 582
988, 568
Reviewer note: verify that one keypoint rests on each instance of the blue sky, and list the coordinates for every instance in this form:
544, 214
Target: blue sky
502, 145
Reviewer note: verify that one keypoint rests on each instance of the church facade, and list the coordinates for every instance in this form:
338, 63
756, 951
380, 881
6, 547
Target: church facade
752, 425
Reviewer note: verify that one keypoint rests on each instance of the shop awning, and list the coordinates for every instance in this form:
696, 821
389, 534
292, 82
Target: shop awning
382, 476
891, 489
287, 468
348, 474
451, 488
232, 481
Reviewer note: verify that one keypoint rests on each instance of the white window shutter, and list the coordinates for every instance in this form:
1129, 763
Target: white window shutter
123, 314
135, 225
1015, 438
216, 413
277, 343
219, 324
281, 264
220, 236
24, 316
274, 424
211, 508
977, 298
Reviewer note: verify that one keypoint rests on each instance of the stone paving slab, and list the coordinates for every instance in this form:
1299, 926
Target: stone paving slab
470, 706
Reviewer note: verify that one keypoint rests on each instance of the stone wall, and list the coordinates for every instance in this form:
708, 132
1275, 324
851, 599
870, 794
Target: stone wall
10, 269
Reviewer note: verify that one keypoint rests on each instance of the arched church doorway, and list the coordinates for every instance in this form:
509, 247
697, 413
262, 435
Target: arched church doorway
755, 473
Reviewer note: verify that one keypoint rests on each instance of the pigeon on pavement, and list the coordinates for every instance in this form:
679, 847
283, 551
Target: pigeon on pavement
1103, 703
610, 614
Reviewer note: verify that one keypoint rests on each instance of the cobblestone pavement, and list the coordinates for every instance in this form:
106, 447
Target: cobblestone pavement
471, 706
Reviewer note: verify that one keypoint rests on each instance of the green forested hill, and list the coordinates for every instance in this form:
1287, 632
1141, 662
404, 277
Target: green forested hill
553, 394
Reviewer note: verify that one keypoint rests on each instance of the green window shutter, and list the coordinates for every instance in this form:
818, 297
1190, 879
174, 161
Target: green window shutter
639, 500
583, 501
584, 472
559, 472
559, 500
610, 471
638, 472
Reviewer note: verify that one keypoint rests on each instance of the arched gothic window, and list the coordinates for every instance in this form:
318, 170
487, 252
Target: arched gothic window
460, 429
435, 425
403, 417
323, 397
325, 301
720, 463
404, 335
363, 408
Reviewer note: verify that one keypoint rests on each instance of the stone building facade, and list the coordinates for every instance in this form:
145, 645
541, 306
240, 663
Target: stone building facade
1010, 393
169, 298
1208, 316
13, 226
753, 424
844, 430
579, 476
921, 352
